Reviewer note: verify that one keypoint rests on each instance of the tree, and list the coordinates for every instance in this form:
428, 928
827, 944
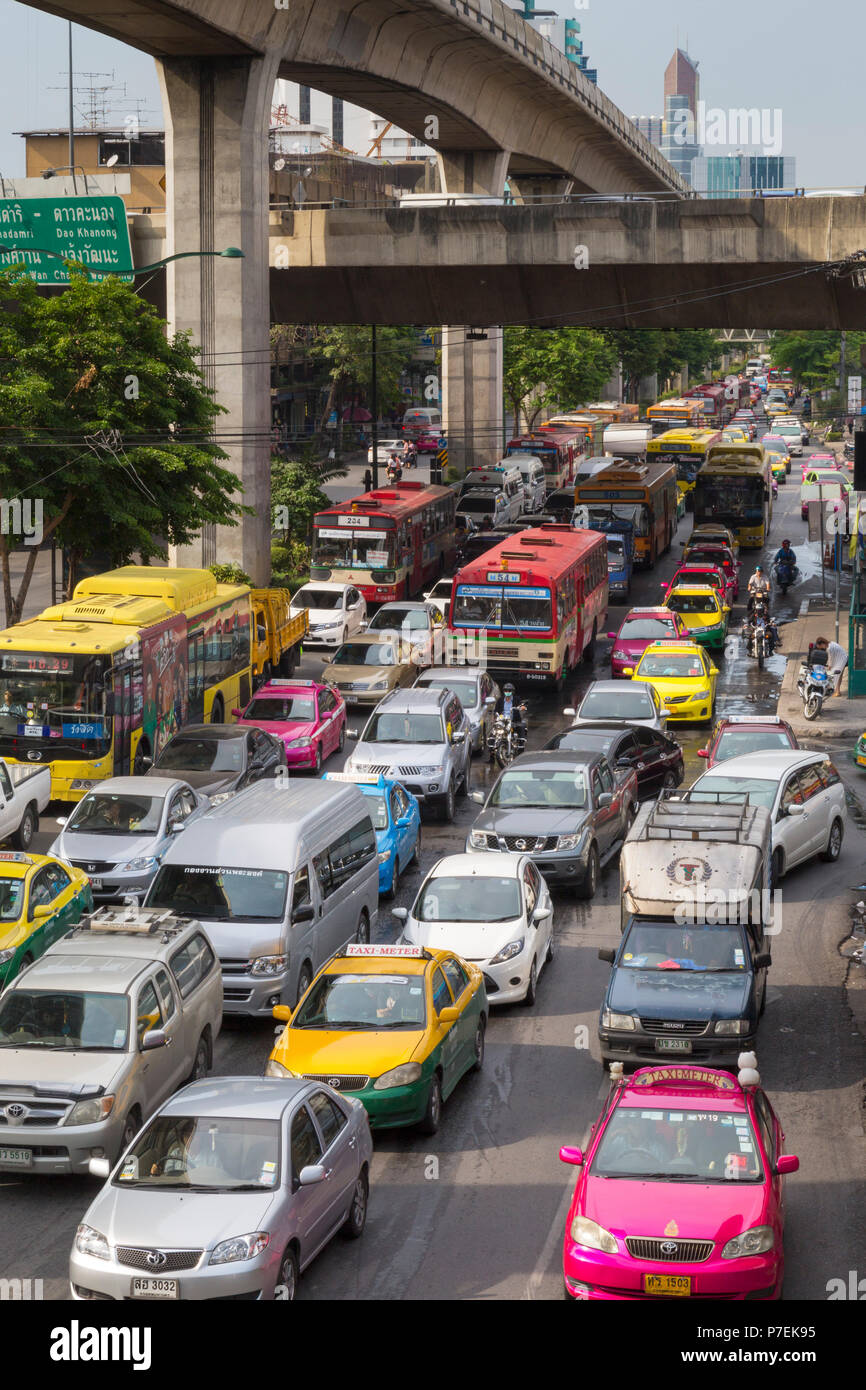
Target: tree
698, 348
638, 350
548, 367
345, 352
814, 356
107, 424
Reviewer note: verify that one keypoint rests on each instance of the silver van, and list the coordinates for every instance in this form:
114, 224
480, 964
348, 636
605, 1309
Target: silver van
281, 876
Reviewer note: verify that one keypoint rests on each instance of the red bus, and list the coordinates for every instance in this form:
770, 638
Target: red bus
532, 607
557, 448
388, 543
718, 409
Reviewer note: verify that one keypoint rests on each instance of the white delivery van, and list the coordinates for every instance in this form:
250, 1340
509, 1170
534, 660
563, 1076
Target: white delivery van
627, 440
531, 471
421, 420
505, 478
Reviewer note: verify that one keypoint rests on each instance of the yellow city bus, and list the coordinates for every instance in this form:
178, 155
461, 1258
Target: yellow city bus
686, 450
96, 684
676, 414
734, 489
614, 412
645, 495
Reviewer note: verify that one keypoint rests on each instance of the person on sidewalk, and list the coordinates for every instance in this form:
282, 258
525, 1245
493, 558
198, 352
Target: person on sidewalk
368, 480
837, 660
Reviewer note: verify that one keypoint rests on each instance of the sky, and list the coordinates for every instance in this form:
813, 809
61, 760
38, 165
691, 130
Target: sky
801, 60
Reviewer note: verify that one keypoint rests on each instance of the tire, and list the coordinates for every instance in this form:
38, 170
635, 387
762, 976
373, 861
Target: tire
812, 707
777, 867
587, 889
26, 960
288, 662
834, 843
501, 757
131, 1126
478, 1048
433, 1112
288, 1275
362, 935
447, 804
217, 711
669, 781
201, 1064
395, 881
342, 742
464, 785
141, 752
416, 853
589, 649
760, 658
305, 979
353, 1226
551, 949
27, 828
317, 770
531, 994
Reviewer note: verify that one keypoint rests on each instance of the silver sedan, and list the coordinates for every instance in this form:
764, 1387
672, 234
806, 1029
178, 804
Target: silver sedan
472, 687
229, 1191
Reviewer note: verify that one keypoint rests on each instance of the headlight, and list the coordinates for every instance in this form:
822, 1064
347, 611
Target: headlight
620, 656
477, 839
274, 1068
508, 952
398, 1076
220, 797
757, 1241
336, 623
593, 1236
427, 771
732, 1027
609, 1019
268, 965
384, 856
239, 1248
140, 866
7, 955
570, 841
701, 695
380, 684
299, 742
90, 1112
91, 1242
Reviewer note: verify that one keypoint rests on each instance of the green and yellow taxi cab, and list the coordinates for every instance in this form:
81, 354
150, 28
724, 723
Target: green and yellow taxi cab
394, 1026
859, 754
684, 677
703, 610
780, 462
40, 899
735, 435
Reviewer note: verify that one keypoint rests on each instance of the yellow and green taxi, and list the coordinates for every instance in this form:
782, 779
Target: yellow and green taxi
40, 899
859, 754
703, 611
394, 1026
780, 463
684, 677
772, 408
735, 435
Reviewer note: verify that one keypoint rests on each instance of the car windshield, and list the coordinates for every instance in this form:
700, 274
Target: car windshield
189, 753
692, 603
282, 709
466, 691
760, 791
11, 899
698, 576
617, 704
220, 894
83, 1022
365, 1002
378, 812
672, 665
736, 741
615, 554
716, 558
541, 788
667, 946
682, 1145
468, 899
204, 1153
106, 813
400, 619
404, 728
642, 629
366, 654
318, 598
583, 740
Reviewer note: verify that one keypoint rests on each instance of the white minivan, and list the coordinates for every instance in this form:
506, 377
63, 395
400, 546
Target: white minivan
504, 478
531, 471
421, 420
281, 876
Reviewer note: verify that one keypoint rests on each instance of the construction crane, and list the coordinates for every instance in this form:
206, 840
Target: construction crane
376, 146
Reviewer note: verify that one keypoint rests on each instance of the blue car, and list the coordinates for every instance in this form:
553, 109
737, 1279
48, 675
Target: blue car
396, 820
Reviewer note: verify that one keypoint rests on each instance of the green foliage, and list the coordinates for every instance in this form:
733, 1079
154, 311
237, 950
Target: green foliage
230, 574
814, 356
543, 368
296, 495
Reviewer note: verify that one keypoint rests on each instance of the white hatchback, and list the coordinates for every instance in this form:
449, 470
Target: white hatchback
499, 916
335, 612
803, 793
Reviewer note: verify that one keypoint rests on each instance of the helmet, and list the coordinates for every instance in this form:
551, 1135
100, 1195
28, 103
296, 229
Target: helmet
759, 569
508, 688
786, 542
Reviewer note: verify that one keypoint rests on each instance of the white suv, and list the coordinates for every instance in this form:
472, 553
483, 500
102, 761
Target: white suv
421, 738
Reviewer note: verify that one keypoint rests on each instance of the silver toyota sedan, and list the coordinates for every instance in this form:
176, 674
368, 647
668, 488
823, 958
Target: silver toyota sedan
229, 1192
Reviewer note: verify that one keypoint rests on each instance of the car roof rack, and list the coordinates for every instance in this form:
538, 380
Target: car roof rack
131, 920
677, 817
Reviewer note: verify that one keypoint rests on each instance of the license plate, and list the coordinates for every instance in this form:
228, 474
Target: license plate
677, 1285
96, 883
32, 730
17, 1158
155, 1288
673, 1045
861, 760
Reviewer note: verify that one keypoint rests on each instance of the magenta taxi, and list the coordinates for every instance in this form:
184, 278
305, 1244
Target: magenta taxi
640, 627
679, 1194
308, 716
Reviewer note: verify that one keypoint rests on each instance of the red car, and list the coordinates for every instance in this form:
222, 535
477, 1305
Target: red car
430, 443
308, 716
822, 461
719, 556
747, 733
640, 627
714, 575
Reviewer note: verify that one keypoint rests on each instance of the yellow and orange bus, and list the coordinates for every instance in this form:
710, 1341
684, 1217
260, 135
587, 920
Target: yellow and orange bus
614, 412
645, 495
686, 450
734, 489
685, 414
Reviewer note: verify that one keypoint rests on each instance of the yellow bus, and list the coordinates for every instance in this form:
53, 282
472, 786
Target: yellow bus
676, 414
614, 412
734, 489
686, 450
645, 495
92, 686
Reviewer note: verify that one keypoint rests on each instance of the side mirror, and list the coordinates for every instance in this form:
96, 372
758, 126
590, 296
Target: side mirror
404, 822
175, 825
238, 713
101, 1167
152, 1039
763, 961
573, 1156
146, 763
352, 733
627, 671
313, 1173
477, 797
786, 1163
795, 810
606, 954
43, 910
714, 670
61, 820
490, 701
401, 913
458, 737
703, 752
282, 1013
304, 913
449, 1014
327, 660
726, 608
571, 712
541, 914
612, 636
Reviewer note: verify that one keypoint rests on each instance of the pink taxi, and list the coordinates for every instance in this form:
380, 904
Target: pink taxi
308, 716
679, 1194
641, 626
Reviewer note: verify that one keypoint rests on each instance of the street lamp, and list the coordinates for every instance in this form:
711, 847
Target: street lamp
231, 253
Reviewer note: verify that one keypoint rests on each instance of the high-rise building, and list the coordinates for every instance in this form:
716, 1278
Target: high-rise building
650, 128
743, 175
563, 33
682, 93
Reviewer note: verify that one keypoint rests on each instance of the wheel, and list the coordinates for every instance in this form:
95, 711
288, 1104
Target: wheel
342, 742
131, 1126
834, 843
448, 802
760, 658
478, 1048
590, 882
669, 781
416, 853
812, 707
287, 1279
288, 661
26, 830
141, 753
777, 867
589, 650
317, 770
531, 994
353, 1226
201, 1065
362, 935
395, 881
631, 816
305, 979
551, 949
26, 960
217, 711
433, 1112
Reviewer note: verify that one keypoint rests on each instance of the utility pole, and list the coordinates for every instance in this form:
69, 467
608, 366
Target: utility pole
374, 404
843, 382
71, 116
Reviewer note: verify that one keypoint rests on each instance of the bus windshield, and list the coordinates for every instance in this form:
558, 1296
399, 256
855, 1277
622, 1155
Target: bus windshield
54, 696
493, 605
353, 549
741, 498
637, 513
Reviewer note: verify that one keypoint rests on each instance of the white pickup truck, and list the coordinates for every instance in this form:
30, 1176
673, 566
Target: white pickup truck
24, 794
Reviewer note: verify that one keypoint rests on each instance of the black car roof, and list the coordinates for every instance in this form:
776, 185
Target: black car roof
218, 731
555, 757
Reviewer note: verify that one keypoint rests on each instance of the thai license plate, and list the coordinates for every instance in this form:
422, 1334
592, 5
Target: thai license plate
96, 883
673, 1045
17, 1158
676, 1285
32, 730
155, 1288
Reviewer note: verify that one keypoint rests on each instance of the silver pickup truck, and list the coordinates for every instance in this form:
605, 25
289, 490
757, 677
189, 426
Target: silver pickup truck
24, 794
99, 1032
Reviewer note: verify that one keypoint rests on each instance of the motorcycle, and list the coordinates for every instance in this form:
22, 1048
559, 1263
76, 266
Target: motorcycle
814, 686
758, 632
505, 740
849, 450
785, 575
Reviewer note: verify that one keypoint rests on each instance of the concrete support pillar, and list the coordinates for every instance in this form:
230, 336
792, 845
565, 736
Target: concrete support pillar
472, 396
217, 113
476, 171
539, 188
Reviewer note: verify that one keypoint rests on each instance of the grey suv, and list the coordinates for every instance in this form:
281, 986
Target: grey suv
423, 739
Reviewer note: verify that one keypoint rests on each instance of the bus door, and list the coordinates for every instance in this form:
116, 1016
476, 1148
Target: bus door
123, 693
579, 594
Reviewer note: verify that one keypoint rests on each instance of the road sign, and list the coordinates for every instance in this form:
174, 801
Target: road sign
855, 385
93, 231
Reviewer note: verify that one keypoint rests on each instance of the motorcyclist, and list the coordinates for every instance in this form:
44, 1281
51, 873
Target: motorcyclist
508, 701
785, 555
758, 584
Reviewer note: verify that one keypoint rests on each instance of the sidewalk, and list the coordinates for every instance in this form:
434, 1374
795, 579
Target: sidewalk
840, 718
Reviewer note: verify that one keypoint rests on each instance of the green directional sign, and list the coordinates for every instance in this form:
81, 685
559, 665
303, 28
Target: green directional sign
94, 231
